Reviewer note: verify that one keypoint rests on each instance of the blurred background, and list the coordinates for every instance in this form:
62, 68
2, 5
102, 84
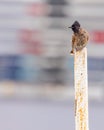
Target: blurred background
36, 69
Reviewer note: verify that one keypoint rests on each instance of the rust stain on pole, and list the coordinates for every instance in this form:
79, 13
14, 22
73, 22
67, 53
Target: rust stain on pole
81, 90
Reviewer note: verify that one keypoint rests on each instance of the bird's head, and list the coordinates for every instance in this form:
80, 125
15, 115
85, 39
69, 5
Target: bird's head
75, 27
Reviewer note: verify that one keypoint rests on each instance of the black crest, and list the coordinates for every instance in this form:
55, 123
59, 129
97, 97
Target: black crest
75, 26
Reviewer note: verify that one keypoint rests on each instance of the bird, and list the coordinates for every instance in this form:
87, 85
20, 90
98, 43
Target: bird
80, 37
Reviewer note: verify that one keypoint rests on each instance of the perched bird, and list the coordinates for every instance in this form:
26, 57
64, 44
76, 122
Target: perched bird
80, 37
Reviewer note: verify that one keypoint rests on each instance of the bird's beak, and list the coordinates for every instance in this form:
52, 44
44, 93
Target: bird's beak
69, 27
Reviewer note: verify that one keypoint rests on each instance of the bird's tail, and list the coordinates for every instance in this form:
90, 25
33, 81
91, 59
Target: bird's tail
72, 52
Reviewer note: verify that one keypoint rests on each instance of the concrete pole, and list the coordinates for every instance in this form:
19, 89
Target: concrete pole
81, 90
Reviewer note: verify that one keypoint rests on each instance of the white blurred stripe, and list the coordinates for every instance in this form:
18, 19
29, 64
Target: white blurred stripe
92, 11
57, 93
